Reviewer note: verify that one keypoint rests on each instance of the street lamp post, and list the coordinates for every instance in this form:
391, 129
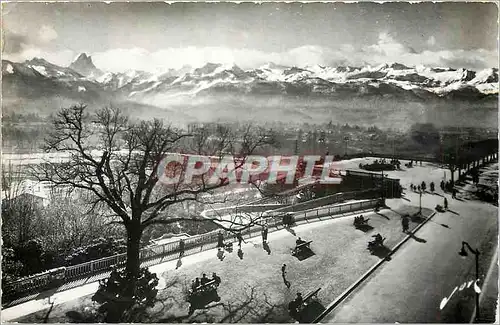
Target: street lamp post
382, 186
346, 139
463, 253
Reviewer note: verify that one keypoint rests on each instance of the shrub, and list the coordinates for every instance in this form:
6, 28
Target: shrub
101, 247
116, 302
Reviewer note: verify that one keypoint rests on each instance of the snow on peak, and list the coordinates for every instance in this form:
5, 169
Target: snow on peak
485, 76
40, 69
9, 69
105, 78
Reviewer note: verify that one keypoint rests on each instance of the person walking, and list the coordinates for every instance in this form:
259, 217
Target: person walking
181, 248
220, 240
405, 223
445, 204
454, 194
432, 187
264, 234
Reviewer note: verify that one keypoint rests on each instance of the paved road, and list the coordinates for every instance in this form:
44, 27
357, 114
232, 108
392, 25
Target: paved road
410, 288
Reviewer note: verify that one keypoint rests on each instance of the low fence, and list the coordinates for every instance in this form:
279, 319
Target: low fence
242, 208
330, 199
161, 253
336, 209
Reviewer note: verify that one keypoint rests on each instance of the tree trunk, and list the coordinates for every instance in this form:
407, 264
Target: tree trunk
134, 234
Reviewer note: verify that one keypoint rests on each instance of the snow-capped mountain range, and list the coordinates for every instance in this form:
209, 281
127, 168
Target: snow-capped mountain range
271, 79
270, 93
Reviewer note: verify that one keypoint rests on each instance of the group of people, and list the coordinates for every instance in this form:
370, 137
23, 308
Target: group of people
199, 283
379, 240
449, 187
239, 237
422, 187
299, 241
410, 164
396, 163
445, 186
360, 220
380, 163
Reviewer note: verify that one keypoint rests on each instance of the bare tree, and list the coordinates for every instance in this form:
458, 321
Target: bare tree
19, 209
117, 160
65, 224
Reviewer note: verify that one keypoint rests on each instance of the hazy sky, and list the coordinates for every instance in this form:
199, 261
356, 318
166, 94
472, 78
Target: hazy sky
148, 36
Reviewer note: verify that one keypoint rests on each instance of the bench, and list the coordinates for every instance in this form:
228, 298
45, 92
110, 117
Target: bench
439, 208
203, 295
296, 310
358, 222
310, 295
300, 247
210, 285
373, 244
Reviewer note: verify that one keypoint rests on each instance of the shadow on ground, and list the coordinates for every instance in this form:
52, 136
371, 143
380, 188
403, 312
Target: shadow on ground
383, 215
79, 317
418, 239
417, 218
311, 312
364, 228
381, 252
304, 253
266, 247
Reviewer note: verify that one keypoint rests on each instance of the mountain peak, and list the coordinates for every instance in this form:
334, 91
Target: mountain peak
209, 67
398, 66
39, 61
84, 65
